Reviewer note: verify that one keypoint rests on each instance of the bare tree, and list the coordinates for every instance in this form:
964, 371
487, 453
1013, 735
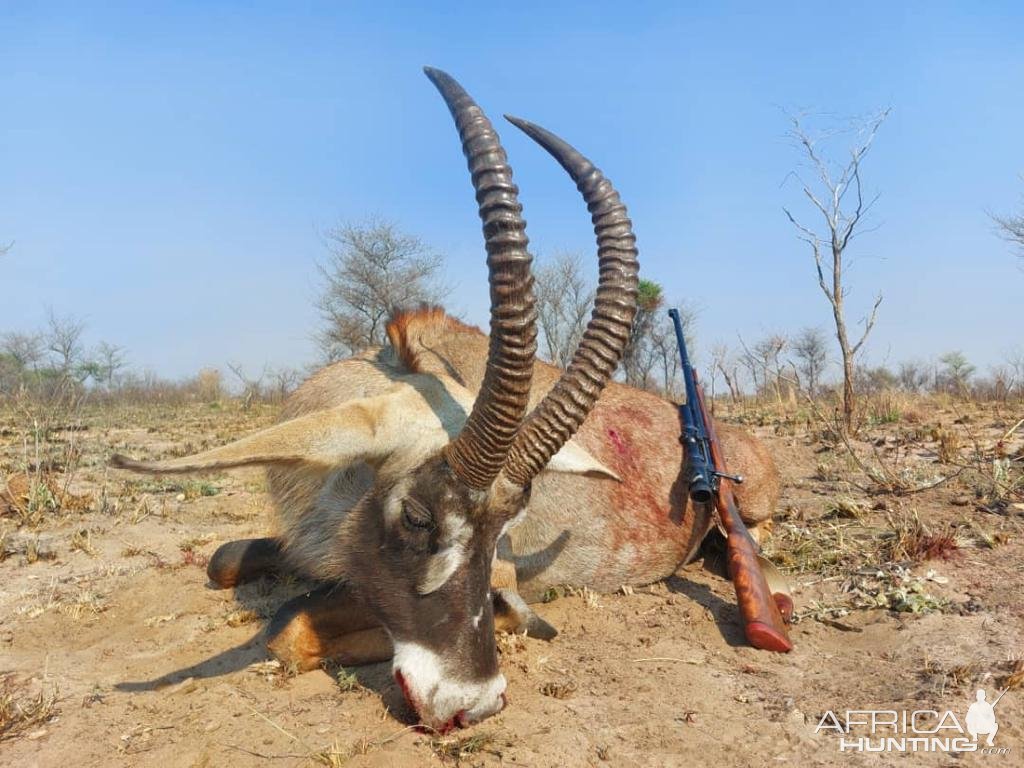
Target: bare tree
64, 341
665, 349
564, 297
874, 379
764, 362
373, 270
108, 361
771, 349
956, 371
252, 389
754, 366
209, 385
639, 357
25, 349
912, 375
1015, 359
999, 384
284, 382
843, 220
1011, 228
809, 348
724, 362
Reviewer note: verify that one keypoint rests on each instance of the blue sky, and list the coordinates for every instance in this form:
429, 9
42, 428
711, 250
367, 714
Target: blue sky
166, 172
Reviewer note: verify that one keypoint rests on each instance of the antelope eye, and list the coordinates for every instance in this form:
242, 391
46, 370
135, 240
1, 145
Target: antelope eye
415, 515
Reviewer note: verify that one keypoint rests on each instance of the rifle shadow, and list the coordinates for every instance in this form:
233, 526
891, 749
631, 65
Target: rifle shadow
726, 614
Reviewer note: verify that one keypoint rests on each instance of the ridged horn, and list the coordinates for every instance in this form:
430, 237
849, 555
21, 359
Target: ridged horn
478, 453
564, 408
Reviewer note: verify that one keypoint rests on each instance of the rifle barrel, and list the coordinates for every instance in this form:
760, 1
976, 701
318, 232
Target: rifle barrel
701, 484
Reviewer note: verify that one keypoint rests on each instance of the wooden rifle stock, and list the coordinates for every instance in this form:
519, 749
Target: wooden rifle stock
762, 611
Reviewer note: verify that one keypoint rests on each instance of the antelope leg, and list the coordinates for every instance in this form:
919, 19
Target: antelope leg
326, 623
244, 560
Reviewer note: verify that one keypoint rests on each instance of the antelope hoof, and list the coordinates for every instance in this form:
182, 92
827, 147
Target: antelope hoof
244, 560
512, 614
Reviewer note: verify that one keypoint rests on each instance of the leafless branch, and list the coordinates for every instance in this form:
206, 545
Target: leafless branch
868, 325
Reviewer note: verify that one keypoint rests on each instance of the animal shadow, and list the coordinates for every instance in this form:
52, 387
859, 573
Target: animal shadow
262, 598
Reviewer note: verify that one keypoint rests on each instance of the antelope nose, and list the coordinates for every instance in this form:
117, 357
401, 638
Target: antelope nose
440, 696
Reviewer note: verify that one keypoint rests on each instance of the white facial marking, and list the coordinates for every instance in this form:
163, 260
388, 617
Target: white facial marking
442, 565
440, 568
476, 619
441, 695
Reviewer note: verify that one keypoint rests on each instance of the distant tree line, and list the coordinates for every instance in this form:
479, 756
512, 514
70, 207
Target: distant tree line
53, 364
779, 367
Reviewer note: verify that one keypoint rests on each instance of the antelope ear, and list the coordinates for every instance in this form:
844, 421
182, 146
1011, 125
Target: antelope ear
574, 459
368, 429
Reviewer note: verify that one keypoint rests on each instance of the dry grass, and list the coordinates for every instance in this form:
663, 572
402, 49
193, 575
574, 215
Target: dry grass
241, 617
956, 676
458, 748
825, 547
558, 689
333, 756
845, 508
31, 498
31, 546
193, 558
81, 540
912, 540
80, 603
21, 710
1014, 678
847, 537
348, 682
948, 444
887, 454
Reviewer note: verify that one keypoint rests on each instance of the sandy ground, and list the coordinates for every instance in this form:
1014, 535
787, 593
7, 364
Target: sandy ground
138, 662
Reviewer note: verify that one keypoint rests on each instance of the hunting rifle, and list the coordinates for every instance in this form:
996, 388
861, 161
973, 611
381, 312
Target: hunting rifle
709, 481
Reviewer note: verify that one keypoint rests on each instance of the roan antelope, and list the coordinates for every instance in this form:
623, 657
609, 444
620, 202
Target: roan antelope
437, 485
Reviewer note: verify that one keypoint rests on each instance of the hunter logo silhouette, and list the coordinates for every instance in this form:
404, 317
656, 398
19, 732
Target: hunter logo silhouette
981, 717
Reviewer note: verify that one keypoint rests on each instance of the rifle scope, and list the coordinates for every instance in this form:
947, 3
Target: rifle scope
693, 438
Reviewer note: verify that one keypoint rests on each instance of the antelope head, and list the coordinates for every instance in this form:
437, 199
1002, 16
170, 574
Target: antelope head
417, 547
